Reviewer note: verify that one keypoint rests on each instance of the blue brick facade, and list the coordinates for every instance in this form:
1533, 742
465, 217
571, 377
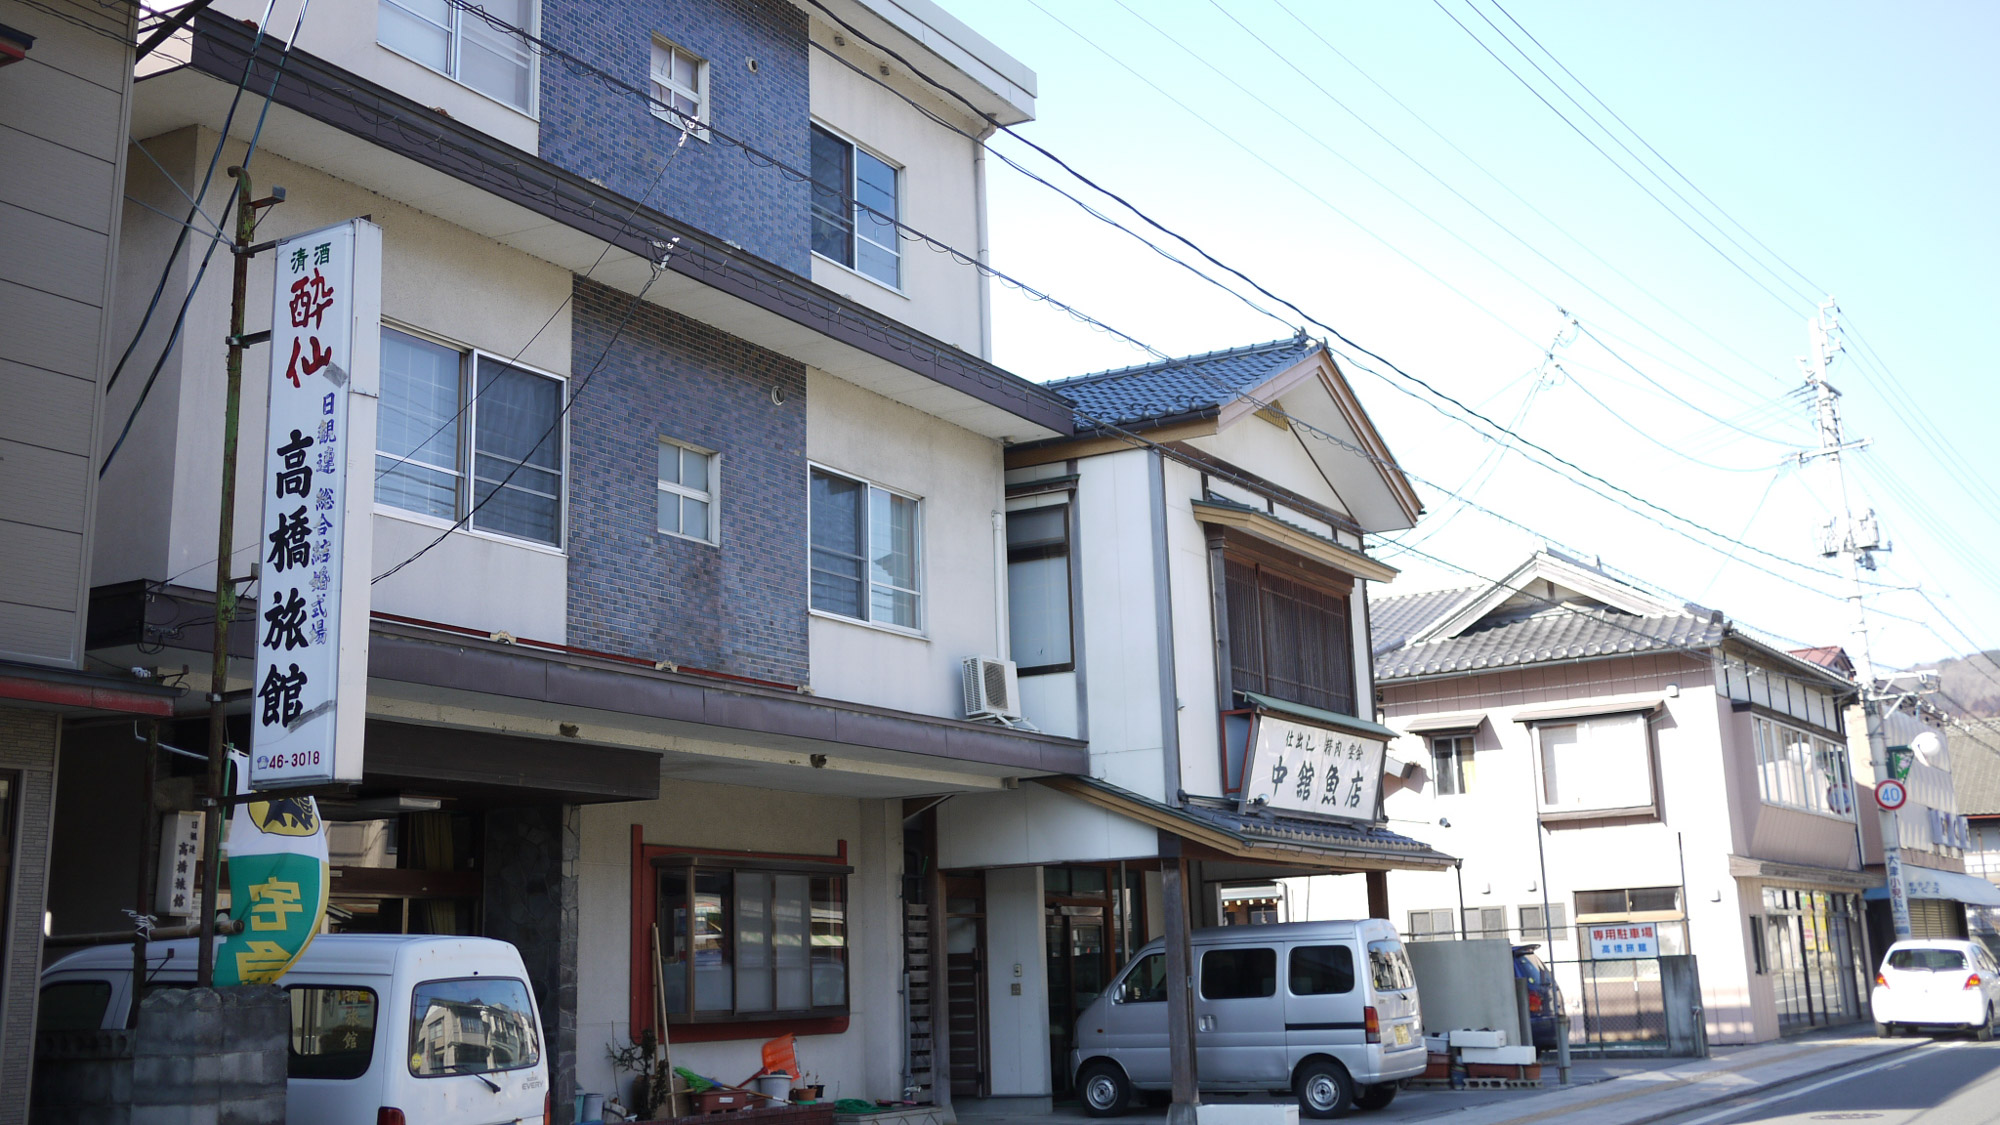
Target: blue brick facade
612, 137
739, 606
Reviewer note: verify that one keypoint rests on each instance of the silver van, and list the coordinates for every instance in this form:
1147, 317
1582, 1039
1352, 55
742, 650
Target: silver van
1327, 1010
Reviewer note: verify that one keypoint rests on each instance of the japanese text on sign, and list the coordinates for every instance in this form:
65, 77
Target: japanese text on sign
1633, 939
1315, 770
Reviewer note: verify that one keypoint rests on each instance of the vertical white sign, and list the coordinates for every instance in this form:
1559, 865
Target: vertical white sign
1313, 770
310, 692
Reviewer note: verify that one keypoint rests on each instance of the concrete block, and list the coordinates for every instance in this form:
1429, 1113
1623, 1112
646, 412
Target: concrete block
1477, 1037
1503, 1056
1247, 1113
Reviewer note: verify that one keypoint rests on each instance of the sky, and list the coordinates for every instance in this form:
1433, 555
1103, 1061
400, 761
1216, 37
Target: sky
1376, 165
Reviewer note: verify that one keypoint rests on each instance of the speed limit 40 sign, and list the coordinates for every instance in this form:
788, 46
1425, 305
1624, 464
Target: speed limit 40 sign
1890, 795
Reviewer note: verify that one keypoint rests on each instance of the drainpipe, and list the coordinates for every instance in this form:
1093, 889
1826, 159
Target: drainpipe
983, 247
1003, 637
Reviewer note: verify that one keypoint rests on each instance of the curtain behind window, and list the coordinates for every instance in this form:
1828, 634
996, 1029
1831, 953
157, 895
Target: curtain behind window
517, 428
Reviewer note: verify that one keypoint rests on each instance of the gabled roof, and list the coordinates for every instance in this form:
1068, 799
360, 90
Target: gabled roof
1177, 387
1831, 657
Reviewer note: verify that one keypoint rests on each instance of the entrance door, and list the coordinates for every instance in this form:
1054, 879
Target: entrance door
1078, 966
965, 983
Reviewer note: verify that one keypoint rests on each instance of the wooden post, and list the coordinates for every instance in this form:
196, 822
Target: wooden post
149, 857
1180, 990
1378, 895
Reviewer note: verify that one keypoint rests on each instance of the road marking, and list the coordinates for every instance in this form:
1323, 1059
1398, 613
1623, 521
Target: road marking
1897, 1059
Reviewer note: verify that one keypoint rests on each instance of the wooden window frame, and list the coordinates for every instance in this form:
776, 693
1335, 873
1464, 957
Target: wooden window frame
1237, 555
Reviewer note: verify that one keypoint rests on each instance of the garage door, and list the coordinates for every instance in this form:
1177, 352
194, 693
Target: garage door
1936, 918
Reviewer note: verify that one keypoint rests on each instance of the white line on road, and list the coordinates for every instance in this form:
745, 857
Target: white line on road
1896, 1059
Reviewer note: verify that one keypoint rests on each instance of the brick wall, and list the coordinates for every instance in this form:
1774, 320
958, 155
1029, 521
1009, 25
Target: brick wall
739, 606
28, 759
612, 137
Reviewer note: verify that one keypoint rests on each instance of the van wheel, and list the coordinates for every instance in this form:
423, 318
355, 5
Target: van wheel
1377, 1096
1105, 1090
1323, 1089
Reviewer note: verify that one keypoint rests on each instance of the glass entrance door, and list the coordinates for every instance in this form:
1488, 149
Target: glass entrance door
1078, 967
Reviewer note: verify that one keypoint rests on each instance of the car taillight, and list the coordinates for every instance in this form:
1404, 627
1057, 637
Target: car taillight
389, 1115
1372, 1023
549, 1108
1972, 980
1881, 981
1534, 1003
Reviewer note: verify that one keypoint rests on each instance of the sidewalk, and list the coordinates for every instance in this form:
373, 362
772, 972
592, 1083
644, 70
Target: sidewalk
1636, 1090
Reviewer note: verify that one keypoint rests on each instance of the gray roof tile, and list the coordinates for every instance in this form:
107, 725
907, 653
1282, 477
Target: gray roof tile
1553, 633
1174, 387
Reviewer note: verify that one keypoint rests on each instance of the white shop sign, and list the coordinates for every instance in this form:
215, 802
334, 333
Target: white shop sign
1296, 767
1622, 940
318, 491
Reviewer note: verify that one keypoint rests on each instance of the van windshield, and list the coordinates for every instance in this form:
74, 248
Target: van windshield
472, 1026
1389, 967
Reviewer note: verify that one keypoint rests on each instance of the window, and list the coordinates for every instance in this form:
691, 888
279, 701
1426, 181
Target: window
1288, 639
752, 943
1038, 594
472, 1026
1389, 966
687, 491
1596, 764
72, 1005
680, 88
1485, 922
1147, 982
1637, 900
333, 1032
1451, 764
464, 47
865, 551
1239, 974
854, 213
1321, 970
1801, 771
1533, 929
462, 432
1431, 925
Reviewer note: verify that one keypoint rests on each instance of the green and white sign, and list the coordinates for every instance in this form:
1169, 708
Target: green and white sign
277, 885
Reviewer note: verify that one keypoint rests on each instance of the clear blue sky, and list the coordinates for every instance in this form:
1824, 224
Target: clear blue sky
1856, 143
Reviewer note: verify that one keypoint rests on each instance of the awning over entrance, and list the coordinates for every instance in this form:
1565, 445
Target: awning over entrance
1950, 886
1263, 837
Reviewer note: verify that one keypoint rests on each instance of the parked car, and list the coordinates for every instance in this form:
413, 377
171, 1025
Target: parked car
1545, 1002
1327, 1010
1936, 984
386, 1028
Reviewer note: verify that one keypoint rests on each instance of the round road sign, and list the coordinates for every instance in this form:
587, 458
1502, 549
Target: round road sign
1890, 795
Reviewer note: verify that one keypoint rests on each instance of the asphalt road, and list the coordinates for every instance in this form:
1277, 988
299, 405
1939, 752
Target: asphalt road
1950, 1081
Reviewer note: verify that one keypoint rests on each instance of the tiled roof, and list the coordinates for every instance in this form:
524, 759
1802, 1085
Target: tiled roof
1174, 387
1393, 620
1276, 828
1975, 767
1552, 633
1831, 657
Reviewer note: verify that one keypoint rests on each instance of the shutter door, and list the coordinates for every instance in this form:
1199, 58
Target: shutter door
1933, 918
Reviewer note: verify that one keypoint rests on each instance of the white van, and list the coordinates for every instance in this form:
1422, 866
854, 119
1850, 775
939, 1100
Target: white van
386, 1028
1327, 1010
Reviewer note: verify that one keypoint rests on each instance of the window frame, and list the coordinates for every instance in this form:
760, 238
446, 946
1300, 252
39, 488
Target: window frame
851, 197
1066, 551
711, 496
1559, 810
868, 583
1771, 744
1558, 928
1459, 756
689, 866
454, 39
467, 448
1431, 918
1339, 698
699, 95
292, 1055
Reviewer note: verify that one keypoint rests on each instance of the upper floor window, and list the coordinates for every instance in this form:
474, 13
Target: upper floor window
865, 551
854, 208
1289, 639
1451, 764
680, 87
687, 491
464, 47
1602, 763
1038, 599
1800, 770
464, 433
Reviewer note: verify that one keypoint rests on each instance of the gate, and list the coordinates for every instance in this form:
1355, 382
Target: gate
1633, 1005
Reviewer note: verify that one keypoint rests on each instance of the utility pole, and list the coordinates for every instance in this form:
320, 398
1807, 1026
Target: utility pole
1857, 538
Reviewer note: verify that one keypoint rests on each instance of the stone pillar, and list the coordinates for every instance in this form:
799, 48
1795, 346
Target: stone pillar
211, 1055
531, 903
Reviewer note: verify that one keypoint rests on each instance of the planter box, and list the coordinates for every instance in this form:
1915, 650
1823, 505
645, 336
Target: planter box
1437, 1065
718, 1101
1491, 1070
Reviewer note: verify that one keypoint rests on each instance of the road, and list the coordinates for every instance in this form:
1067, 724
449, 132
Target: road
1946, 1082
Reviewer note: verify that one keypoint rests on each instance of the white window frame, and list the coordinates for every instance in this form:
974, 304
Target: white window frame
1432, 919
867, 579
454, 41
461, 469
1558, 928
1771, 742
1459, 752
698, 94
851, 189
1563, 809
710, 496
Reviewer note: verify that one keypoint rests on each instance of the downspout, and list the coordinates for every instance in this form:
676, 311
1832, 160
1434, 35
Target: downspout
983, 246
1163, 614
1003, 635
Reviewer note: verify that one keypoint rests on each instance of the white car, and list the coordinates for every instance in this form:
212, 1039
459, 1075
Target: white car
1937, 984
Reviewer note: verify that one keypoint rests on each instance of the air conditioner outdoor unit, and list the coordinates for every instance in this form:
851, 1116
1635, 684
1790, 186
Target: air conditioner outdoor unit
992, 689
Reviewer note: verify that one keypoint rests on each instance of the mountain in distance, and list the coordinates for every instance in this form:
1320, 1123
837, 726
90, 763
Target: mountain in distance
1968, 686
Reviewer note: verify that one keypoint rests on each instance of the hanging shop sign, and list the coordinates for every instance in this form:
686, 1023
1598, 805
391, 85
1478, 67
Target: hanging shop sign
318, 495
1301, 768
1623, 940
277, 884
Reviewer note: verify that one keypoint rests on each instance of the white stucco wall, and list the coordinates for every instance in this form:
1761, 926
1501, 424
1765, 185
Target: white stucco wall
957, 476
1035, 824
938, 188
1194, 635
1119, 615
158, 511
865, 1061
1275, 454
1018, 1050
